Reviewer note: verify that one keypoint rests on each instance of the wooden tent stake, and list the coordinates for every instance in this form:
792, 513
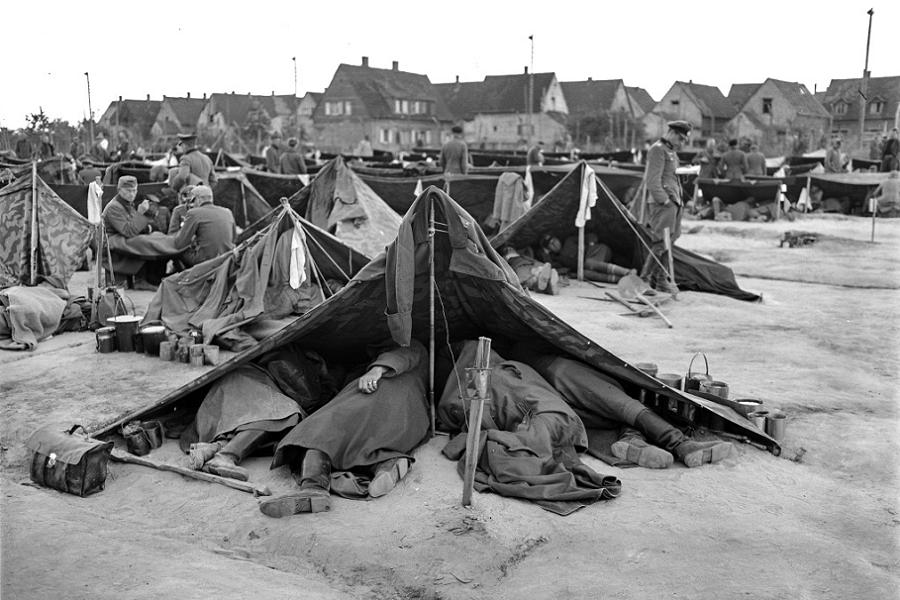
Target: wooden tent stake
481, 372
34, 225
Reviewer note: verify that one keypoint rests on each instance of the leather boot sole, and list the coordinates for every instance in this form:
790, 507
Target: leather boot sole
642, 454
294, 504
710, 454
386, 479
201, 452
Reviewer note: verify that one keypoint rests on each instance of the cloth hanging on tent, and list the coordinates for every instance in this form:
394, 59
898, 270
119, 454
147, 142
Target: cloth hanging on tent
804, 202
509, 200
529, 188
298, 259
588, 196
418, 189
94, 202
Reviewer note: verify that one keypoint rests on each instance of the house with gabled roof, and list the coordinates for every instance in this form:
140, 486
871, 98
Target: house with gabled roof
641, 100
395, 109
842, 100
133, 119
242, 122
606, 100
781, 116
497, 112
703, 106
178, 115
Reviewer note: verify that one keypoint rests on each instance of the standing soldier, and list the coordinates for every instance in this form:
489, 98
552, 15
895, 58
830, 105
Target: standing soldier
194, 167
665, 205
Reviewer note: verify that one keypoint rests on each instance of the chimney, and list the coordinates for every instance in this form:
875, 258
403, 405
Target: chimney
395, 66
590, 78
526, 69
188, 95
204, 95
148, 97
365, 61
120, 98
457, 79
273, 92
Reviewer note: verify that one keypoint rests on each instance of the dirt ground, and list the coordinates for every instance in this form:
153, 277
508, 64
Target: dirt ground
819, 522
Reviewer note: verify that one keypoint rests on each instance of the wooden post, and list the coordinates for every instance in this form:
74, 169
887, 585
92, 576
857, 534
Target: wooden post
431, 284
581, 253
480, 372
668, 240
873, 204
33, 254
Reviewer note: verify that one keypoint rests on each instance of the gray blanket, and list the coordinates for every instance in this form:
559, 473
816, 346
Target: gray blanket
28, 315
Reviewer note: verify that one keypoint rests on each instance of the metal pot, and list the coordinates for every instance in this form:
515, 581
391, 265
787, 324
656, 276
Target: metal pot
716, 388
126, 328
152, 336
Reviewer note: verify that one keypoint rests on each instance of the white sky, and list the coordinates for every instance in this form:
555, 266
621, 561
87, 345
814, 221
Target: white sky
172, 47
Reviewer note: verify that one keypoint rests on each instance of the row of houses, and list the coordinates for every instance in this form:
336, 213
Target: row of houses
398, 110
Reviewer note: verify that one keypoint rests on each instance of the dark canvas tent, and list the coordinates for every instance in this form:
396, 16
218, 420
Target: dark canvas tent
254, 281
235, 192
477, 294
40, 235
274, 186
616, 227
851, 189
339, 202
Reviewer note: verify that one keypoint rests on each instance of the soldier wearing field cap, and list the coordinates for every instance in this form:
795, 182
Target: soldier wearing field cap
194, 167
665, 203
208, 230
122, 219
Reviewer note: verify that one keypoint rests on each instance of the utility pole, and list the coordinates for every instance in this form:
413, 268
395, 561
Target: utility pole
90, 110
864, 89
531, 95
295, 75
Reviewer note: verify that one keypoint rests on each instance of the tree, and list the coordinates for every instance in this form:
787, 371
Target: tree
37, 122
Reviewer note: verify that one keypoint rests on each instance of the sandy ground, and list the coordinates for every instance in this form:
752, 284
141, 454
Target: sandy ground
819, 522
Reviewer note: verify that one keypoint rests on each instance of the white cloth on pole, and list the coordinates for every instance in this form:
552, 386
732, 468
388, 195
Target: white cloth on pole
804, 201
418, 189
304, 178
588, 196
529, 188
298, 259
94, 202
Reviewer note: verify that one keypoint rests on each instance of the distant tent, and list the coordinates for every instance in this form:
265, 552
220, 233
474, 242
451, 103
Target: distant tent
477, 295
274, 186
284, 269
62, 235
338, 201
235, 192
616, 227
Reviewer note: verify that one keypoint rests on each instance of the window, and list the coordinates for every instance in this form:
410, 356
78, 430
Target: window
767, 106
876, 107
384, 136
348, 107
675, 102
840, 108
427, 137
340, 107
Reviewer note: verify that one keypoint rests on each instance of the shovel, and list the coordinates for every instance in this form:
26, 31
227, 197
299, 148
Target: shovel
632, 286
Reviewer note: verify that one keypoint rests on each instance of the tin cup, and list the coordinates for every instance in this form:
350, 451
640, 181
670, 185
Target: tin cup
196, 355
758, 418
166, 351
775, 423
106, 340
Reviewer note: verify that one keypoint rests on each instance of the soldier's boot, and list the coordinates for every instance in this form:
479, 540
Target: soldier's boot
633, 447
314, 494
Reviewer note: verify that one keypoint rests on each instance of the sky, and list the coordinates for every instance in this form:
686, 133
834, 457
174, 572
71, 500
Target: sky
167, 47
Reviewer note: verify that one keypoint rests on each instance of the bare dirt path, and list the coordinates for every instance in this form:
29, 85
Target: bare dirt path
820, 522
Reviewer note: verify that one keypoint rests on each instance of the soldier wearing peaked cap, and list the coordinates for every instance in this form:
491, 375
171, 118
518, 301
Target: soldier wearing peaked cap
194, 167
665, 203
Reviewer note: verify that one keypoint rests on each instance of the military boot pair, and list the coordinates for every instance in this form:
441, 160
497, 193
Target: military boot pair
667, 441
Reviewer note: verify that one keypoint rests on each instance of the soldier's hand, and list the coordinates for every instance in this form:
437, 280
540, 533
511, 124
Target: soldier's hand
144, 206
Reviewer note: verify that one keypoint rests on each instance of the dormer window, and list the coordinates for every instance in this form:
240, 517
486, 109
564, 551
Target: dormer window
339, 107
875, 107
840, 108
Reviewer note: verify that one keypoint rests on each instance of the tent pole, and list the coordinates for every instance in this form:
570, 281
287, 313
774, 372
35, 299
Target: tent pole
480, 373
34, 224
808, 192
581, 253
431, 284
244, 204
873, 204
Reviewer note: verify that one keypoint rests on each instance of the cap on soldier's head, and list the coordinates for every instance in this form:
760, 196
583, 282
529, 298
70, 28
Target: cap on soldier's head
185, 137
682, 127
456, 129
127, 182
201, 191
